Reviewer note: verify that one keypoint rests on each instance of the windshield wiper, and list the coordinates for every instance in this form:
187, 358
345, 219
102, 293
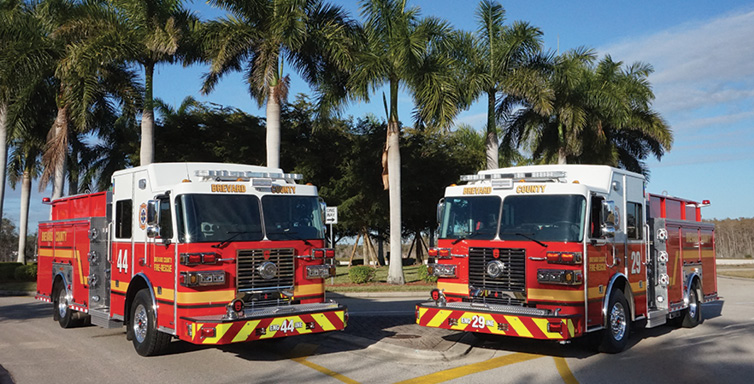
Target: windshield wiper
227, 241
469, 236
525, 236
290, 234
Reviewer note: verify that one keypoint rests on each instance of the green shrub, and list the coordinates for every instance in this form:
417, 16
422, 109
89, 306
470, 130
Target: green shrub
7, 270
424, 275
361, 274
26, 272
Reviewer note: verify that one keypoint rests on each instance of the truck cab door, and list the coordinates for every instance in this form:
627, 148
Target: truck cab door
161, 258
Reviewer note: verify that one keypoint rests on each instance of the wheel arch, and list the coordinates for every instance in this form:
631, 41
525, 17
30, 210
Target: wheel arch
693, 279
618, 281
138, 282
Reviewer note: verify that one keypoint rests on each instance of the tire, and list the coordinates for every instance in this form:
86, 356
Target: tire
63, 314
692, 316
615, 337
148, 341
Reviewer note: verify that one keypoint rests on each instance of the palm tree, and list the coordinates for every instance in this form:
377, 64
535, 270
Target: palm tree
23, 55
400, 53
497, 63
88, 67
261, 35
554, 134
625, 129
602, 107
35, 117
154, 32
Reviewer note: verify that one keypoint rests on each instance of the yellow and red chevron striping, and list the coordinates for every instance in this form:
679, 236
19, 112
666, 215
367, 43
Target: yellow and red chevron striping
248, 330
497, 323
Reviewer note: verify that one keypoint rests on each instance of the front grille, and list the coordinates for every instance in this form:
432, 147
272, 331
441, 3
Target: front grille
510, 287
249, 279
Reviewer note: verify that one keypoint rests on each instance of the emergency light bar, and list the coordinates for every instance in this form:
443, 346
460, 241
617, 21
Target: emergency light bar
225, 175
527, 176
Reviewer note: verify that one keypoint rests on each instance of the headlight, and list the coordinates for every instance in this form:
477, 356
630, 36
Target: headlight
559, 276
442, 270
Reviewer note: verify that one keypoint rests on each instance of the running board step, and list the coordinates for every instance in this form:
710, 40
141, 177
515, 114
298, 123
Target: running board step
102, 319
657, 318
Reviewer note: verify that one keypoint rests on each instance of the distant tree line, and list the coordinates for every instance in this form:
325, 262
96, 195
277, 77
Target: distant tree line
734, 237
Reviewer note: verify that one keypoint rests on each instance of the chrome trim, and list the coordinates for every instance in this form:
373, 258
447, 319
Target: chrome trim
608, 293
512, 309
151, 293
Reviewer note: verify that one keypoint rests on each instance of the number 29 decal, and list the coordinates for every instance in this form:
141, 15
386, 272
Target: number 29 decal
635, 262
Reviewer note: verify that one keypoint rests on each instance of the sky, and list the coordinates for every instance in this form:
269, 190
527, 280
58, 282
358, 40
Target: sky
702, 53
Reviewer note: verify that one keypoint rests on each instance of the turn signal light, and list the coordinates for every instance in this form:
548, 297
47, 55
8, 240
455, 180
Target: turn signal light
329, 253
443, 253
318, 253
432, 252
564, 257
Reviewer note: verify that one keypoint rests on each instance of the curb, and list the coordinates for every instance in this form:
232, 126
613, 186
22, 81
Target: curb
17, 293
459, 348
418, 295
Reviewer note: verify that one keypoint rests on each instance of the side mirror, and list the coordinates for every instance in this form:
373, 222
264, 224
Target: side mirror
322, 209
440, 210
153, 231
609, 217
153, 212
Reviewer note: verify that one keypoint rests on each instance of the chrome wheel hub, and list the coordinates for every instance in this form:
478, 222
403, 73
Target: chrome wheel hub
140, 323
62, 303
618, 321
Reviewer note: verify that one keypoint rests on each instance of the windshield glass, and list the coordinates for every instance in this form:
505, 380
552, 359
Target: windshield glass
470, 217
543, 217
215, 218
293, 218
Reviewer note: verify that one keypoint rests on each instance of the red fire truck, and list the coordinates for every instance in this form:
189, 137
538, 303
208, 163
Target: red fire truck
556, 252
206, 253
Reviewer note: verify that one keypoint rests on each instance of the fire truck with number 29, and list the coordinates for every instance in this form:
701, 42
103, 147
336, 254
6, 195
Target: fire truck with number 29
206, 253
555, 252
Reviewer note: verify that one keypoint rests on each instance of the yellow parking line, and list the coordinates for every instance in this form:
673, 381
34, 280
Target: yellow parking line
564, 371
454, 373
305, 350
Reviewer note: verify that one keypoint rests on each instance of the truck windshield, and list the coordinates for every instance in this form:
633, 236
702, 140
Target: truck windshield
470, 218
215, 218
293, 217
543, 217
219, 218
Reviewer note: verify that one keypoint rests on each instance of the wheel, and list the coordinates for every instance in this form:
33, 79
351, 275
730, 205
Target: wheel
692, 315
148, 341
615, 337
63, 314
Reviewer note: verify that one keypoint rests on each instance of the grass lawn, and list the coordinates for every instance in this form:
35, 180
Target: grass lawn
341, 282
745, 273
18, 286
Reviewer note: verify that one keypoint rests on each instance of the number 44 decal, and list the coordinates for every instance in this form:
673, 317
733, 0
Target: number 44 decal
123, 261
635, 262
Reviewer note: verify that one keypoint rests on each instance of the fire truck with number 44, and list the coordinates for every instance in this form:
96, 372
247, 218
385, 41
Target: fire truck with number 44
556, 252
206, 253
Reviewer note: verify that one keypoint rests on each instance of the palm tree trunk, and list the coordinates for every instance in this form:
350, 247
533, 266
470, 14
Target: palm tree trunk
273, 130
24, 218
395, 272
3, 153
146, 153
492, 141
59, 148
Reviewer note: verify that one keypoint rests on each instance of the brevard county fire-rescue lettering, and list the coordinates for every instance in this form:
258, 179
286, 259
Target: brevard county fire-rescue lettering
47, 236
530, 189
232, 188
283, 189
477, 190
163, 264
